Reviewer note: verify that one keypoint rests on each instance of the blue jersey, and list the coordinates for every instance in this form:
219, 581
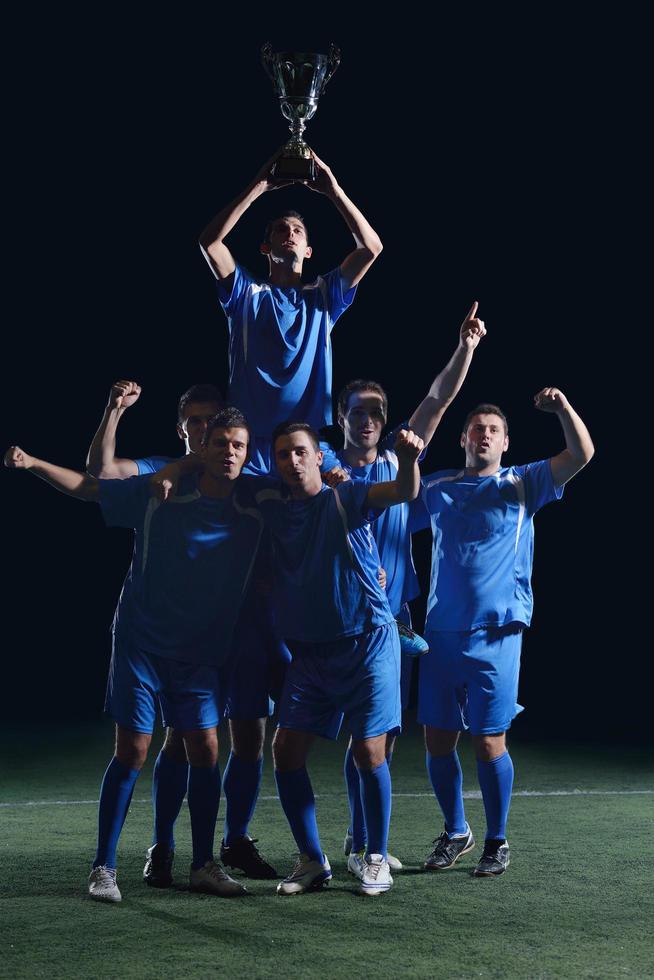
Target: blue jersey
152, 464
483, 546
391, 530
280, 357
192, 559
326, 583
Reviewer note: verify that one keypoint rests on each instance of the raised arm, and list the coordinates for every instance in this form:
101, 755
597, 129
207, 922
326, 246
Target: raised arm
445, 386
579, 448
80, 485
406, 484
368, 243
219, 257
101, 460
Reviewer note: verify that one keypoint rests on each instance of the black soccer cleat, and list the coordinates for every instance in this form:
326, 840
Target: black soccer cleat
245, 856
448, 850
495, 859
158, 870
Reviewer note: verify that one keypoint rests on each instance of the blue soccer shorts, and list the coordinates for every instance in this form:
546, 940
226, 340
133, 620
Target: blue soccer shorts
356, 676
188, 694
469, 680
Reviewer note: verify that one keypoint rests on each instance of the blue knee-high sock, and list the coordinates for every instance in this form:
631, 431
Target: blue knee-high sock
115, 796
447, 781
203, 799
357, 820
241, 782
376, 800
169, 781
299, 805
496, 783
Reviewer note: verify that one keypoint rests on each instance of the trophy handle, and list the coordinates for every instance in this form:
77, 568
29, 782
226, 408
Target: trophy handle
333, 61
266, 59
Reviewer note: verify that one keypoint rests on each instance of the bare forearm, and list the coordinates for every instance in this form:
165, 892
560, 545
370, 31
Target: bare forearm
80, 485
578, 442
102, 450
441, 394
404, 488
364, 234
211, 239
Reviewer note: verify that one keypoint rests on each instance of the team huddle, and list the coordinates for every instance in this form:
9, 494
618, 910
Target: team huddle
272, 573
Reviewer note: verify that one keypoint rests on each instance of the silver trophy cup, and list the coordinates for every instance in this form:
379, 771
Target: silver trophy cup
299, 80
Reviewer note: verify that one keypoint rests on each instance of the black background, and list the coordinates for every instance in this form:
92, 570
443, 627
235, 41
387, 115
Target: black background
482, 151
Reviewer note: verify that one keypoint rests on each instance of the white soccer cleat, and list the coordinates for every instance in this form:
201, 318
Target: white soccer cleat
306, 876
394, 863
356, 863
213, 879
376, 876
102, 885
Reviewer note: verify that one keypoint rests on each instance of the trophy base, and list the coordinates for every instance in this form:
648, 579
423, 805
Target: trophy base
293, 168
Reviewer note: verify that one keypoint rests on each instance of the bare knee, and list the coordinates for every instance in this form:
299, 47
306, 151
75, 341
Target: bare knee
132, 747
174, 746
248, 738
489, 747
290, 749
202, 747
369, 753
440, 741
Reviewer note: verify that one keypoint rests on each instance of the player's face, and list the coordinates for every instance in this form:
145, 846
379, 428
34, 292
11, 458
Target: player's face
194, 424
484, 441
288, 241
298, 463
364, 420
226, 452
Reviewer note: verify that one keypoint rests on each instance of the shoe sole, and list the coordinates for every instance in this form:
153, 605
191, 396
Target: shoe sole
203, 890
434, 867
153, 883
268, 876
105, 898
489, 874
373, 892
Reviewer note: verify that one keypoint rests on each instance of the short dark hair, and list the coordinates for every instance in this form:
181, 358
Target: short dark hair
227, 418
286, 214
486, 409
199, 393
360, 385
288, 427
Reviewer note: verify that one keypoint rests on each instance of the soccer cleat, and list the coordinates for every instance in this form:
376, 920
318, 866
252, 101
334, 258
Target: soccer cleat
376, 876
394, 863
213, 878
102, 885
448, 850
159, 866
306, 876
411, 643
245, 856
494, 860
356, 863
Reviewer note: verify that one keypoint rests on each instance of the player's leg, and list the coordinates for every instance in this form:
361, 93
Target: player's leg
494, 662
370, 698
169, 782
441, 709
190, 704
131, 702
259, 665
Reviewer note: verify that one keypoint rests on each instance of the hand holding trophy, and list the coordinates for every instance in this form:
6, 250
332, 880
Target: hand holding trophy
299, 79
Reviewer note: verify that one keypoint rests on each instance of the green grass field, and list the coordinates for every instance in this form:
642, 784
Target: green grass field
576, 901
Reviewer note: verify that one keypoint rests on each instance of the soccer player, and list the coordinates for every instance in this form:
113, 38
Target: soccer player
479, 603
280, 360
336, 619
172, 631
362, 414
245, 703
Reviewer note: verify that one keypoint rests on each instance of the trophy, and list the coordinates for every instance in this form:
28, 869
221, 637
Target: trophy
299, 80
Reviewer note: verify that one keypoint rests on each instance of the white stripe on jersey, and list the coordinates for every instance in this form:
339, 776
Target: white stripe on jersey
519, 485
343, 516
152, 506
252, 290
443, 479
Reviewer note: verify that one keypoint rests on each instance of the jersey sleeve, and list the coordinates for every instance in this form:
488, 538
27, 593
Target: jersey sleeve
124, 502
337, 300
539, 484
152, 464
351, 499
231, 299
